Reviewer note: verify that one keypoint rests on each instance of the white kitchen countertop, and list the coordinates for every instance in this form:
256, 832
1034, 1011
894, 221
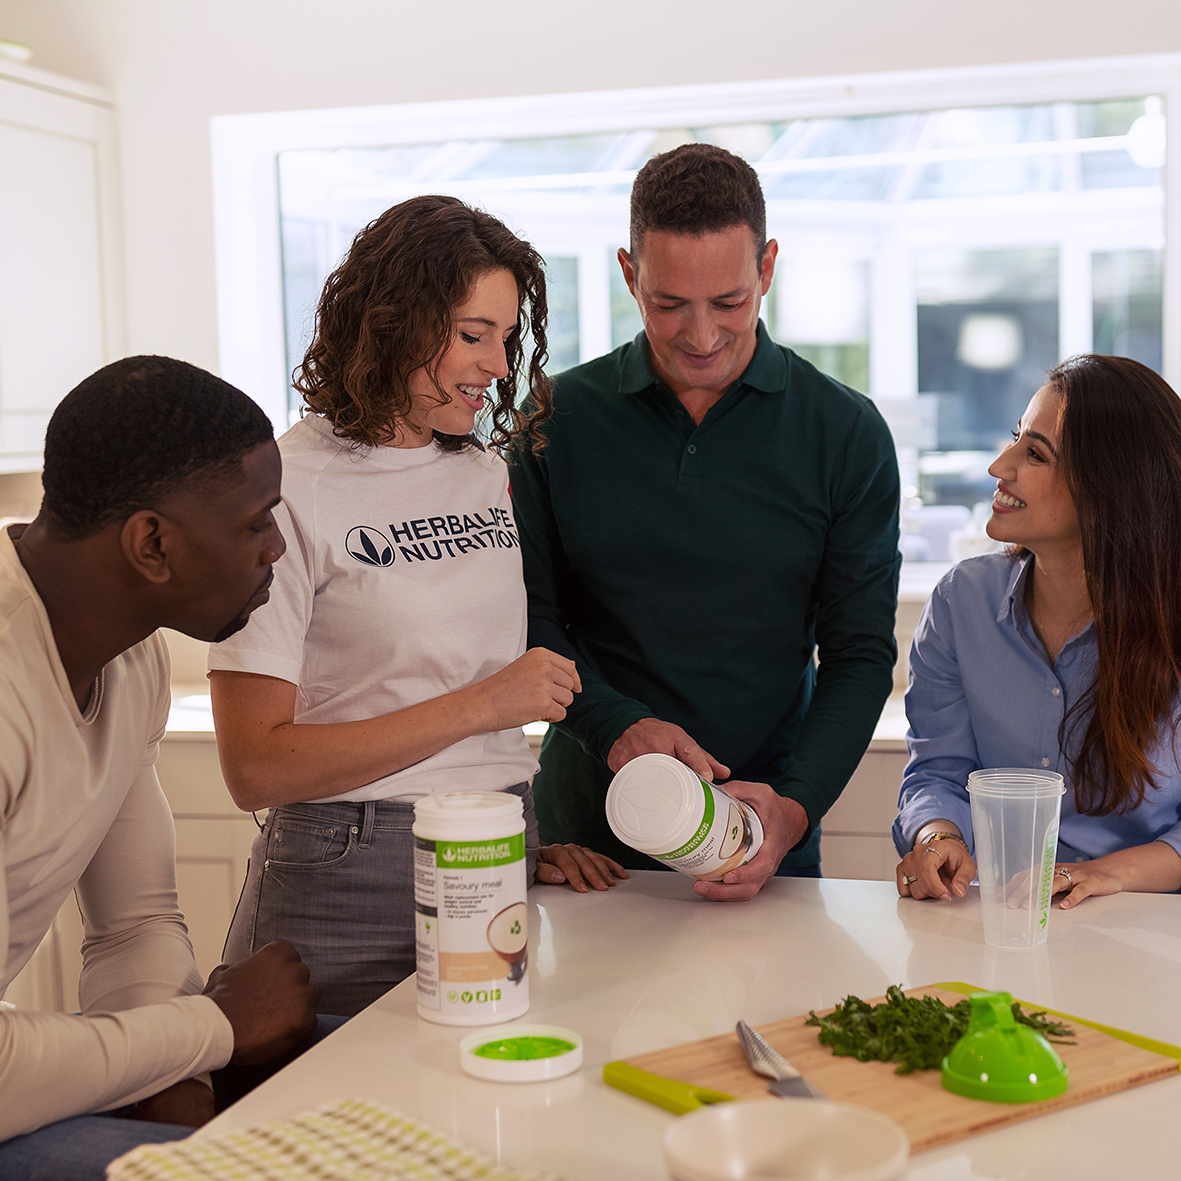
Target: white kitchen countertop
191, 719
648, 965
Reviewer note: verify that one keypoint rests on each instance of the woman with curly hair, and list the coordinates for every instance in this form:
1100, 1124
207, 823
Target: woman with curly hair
1064, 652
391, 660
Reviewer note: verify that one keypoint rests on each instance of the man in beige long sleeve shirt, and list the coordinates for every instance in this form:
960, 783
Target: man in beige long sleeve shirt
160, 480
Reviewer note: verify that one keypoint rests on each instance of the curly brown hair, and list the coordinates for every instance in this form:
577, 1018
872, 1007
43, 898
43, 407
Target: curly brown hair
697, 189
388, 311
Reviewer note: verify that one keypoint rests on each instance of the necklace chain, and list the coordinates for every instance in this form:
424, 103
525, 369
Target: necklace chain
1074, 625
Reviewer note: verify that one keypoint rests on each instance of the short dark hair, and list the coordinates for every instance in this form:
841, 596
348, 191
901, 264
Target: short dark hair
388, 311
697, 189
137, 431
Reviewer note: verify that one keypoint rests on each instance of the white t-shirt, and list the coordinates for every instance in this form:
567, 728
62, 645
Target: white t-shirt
81, 809
401, 582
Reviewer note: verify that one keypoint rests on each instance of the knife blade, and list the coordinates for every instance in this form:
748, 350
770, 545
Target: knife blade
789, 1083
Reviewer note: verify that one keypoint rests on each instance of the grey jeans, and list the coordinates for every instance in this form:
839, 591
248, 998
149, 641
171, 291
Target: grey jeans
337, 881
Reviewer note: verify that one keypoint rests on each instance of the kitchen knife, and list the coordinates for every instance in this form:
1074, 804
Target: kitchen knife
789, 1083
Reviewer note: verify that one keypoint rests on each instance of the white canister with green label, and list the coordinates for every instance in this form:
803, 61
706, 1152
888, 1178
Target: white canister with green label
659, 806
471, 917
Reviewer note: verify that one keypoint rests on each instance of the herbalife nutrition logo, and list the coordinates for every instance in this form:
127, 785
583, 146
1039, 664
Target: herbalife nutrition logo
369, 546
480, 854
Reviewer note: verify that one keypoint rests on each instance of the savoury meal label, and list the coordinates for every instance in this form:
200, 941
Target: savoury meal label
471, 926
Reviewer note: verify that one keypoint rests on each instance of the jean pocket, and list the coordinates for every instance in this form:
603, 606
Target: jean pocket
300, 843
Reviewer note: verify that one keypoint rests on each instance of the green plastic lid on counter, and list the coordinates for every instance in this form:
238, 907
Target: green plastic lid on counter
521, 1053
1001, 1061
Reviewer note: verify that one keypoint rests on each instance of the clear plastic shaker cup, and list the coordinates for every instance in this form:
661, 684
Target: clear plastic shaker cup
1015, 826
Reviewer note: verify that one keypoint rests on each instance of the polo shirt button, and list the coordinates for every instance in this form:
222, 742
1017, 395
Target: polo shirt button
1056, 691
1045, 762
692, 448
680, 414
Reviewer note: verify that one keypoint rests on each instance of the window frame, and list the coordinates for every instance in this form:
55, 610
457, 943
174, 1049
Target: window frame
245, 150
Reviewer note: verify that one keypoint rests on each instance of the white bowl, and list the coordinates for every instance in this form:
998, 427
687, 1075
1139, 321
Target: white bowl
785, 1140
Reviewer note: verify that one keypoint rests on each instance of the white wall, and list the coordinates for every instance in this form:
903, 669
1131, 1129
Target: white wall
174, 63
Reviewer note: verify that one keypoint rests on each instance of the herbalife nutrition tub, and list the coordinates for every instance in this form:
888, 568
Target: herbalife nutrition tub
659, 806
470, 914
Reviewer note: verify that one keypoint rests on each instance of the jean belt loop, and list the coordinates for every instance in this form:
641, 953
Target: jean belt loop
368, 812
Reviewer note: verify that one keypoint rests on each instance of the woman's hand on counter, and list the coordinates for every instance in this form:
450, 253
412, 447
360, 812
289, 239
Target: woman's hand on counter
1145, 869
577, 865
937, 869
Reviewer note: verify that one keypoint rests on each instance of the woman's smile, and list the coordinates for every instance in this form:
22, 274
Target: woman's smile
1005, 502
473, 395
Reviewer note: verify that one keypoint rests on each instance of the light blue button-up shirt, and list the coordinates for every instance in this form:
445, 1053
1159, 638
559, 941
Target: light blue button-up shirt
984, 694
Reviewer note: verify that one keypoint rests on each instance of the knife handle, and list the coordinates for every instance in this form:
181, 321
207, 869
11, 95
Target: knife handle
668, 1093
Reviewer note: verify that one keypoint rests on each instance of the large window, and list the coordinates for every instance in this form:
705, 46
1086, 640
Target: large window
944, 239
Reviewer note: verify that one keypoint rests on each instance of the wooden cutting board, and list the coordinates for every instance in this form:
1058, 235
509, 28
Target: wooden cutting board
1099, 1064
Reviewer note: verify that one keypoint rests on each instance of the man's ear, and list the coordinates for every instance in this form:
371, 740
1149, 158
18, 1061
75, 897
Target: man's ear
767, 269
628, 265
145, 543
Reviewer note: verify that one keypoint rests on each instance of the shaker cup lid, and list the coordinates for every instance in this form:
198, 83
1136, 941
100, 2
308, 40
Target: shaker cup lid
999, 1060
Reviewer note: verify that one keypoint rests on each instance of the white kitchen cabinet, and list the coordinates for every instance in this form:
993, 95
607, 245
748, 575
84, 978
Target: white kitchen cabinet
61, 289
212, 841
855, 839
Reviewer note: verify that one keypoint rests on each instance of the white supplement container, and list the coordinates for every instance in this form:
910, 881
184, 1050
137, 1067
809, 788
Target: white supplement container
659, 806
470, 913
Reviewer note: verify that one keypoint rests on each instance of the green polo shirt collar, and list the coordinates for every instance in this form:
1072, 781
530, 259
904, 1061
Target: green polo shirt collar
767, 370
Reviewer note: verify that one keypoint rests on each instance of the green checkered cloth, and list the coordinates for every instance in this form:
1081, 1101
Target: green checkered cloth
349, 1141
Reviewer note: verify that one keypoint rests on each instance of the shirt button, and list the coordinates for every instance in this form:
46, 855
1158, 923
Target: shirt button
680, 414
692, 448
1056, 691
1045, 762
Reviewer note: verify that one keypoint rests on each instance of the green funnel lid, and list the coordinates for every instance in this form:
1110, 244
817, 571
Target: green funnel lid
999, 1060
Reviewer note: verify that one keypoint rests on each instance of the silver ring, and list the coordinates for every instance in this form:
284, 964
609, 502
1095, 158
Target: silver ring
1066, 874
906, 879
932, 849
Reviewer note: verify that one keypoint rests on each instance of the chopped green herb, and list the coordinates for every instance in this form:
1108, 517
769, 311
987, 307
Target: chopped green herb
915, 1032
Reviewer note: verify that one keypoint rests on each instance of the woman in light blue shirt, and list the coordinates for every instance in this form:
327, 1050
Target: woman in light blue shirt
1064, 652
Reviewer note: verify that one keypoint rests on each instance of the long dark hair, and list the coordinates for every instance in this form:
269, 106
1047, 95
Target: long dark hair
1121, 456
387, 311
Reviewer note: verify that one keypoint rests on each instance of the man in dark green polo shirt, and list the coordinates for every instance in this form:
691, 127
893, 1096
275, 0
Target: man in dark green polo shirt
710, 510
